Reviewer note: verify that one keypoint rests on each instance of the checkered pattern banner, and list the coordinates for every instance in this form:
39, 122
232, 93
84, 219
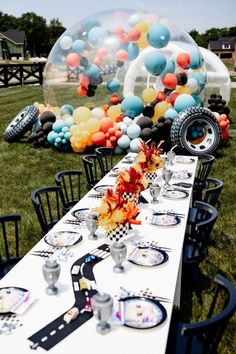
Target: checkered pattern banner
131, 197
118, 233
150, 177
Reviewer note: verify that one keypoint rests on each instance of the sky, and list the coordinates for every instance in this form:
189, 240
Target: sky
192, 14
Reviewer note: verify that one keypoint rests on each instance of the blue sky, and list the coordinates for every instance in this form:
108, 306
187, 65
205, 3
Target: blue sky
198, 14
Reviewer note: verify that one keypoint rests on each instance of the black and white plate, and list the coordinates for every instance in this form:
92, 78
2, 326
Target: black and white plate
148, 256
141, 312
11, 298
81, 213
181, 174
102, 189
175, 194
184, 160
164, 219
62, 238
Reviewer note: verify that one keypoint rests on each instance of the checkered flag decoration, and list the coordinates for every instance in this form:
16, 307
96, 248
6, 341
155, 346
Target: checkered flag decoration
131, 197
118, 233
150, 177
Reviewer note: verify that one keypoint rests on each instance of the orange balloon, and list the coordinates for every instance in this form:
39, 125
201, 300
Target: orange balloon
113, 139
98, 61
82, 91
134, 34
173, 97
169, 81
118, 133
121, 55
102, 52
161, 96
106, 123
119, 31
72, 60
115, 99
223, 124
183, 60
98, 138
84, 80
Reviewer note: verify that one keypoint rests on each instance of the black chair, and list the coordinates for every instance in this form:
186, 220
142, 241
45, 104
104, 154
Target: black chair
48, 205
205, 163
92, 170
9, 242
105, 159
196, 242
70, 183
204, 337
212, 191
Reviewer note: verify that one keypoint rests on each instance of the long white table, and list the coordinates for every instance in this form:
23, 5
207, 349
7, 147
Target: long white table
162, 280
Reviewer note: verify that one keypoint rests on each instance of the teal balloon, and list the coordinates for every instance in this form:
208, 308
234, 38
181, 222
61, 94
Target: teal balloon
196, 60
170, 113
133, 51
184, 101
113, 85
123, 127
91, 70
68, 122
123, 142
67, 136
169, 68
155, 62
133, 131
128, 121
198, 100
58, 125
118, 150
135, 145
78, 46
65, 129
61, 135
96, 36
58, 140
158, 36
52, 137
67, 109
132, 106
201, 79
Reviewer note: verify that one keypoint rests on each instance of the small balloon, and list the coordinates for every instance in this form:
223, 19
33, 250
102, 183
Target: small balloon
183, 60
149, 94
155, 62
158, 36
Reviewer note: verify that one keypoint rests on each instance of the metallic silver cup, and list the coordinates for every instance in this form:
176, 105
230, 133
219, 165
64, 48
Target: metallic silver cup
155, 190
51, 272
171, 157
166, 174
102, 305
92, 225
118, 253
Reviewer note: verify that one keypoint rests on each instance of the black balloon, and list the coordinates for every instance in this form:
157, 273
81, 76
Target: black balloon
47, 116
47, 127
144, 122
148, 111
181, 78
146, 134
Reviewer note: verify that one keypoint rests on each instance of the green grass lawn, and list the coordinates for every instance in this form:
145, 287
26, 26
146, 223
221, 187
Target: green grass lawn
24, 168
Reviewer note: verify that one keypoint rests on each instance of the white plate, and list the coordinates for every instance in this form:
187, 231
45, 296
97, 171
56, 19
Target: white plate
11, 298
184, 160
62, 238
175, 194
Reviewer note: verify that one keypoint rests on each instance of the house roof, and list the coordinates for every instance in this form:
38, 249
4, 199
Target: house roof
217, 44
15, 36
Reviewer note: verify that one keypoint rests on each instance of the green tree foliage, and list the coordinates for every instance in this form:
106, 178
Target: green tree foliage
7, 22
212, 34
55, 30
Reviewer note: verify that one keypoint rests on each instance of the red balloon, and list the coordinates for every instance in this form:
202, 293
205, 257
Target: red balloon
115, 99
161, 96
119, 31
173, 97
98, 138
223, 124
183, 60
225, 135
134, 34
169, 81
124, 39
102, 52
106, 123
84, 80
121, 55
108, 143
113, 139
72, 60
82, 91
118, 133
98, 61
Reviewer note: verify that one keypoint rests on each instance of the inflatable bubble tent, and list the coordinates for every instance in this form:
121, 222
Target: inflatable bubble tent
124, 52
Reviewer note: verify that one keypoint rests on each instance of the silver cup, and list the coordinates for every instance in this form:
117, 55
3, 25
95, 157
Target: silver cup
102, 305
118, 253
171, 157
92, 225
166, 174
51, 272
155, 190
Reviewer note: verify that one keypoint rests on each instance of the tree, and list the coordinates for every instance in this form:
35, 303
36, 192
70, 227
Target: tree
55, 30
7, 22
194, 33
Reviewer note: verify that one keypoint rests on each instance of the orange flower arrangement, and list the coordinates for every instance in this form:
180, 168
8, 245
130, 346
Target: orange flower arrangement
114, 210
148, 158
131, 180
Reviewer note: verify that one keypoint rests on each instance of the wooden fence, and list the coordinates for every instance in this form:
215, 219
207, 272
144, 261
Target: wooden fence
21, 74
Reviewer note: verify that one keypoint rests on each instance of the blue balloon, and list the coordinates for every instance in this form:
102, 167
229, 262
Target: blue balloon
58, 140
133, 131
67, 109
123, 142
91, 70
132, 106
198, 100
184, 101
96, 36
135, 145
133, 51
113, 85
169, 68
61, 135
78, 46
123, 127
194, 135
68, 122
58, 125
200, 79
155, 62
170, 113
67, 136
128, 121
196, 60
158, 36
118, 150
65, 129
52, 137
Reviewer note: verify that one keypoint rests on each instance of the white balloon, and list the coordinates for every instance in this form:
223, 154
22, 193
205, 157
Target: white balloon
98, 113
66, 42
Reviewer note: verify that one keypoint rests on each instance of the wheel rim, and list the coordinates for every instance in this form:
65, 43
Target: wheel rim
200, 135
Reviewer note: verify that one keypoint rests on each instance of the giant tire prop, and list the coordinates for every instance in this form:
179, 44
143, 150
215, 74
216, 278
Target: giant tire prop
194, 118
21, 123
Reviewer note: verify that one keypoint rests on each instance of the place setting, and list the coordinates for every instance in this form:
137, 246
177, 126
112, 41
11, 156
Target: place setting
99, 191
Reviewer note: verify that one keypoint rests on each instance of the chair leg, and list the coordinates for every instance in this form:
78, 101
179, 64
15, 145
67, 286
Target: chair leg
196, 276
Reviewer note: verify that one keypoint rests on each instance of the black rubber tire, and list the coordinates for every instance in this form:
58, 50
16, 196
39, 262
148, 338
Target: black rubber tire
21, 123
185, 120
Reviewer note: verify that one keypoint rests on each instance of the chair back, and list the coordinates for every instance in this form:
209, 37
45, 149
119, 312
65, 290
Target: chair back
205, 163
91, 168
9, 242
48, 205
212, 192
204, 337
70, 183
105, 159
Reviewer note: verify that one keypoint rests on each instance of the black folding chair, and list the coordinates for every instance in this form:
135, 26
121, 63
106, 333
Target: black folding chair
212, 191
9, 242
70, 183
205, 163
92, 170
105, 159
